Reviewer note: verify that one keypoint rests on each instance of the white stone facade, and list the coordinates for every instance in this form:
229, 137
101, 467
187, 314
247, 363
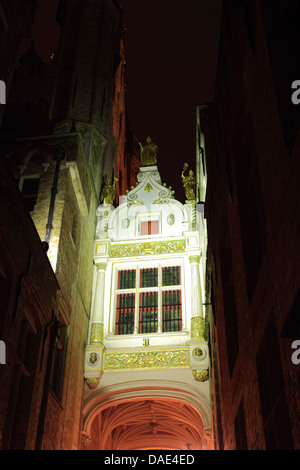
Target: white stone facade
177, 358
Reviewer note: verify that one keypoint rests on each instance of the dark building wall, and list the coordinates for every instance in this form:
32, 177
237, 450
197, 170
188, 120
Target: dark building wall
252, 211
68, 105
28, 300
16, 20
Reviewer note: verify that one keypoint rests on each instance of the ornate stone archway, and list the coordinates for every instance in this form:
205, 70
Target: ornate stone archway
142, 418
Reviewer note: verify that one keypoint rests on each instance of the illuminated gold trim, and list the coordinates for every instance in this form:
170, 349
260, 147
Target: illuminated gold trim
101, 266
97, 333
201, 375
197, 328
147, 359
92, 382
194, 259
148, 248
148, 187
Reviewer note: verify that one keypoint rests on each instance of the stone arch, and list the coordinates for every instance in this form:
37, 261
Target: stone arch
142, 417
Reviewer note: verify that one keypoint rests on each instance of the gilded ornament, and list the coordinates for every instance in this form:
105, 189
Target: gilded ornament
97, 333
93, 358
108, 192
92, 382
197, 328
101, 266
147, 359
148, 152
148, 187
194, 259
189, 183
201, 375
199, 354
147, 248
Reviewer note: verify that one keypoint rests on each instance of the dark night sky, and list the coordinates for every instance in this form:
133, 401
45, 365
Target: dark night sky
171, 55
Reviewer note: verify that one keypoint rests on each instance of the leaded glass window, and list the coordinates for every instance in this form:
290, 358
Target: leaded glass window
148, 321
125, 314
148, 300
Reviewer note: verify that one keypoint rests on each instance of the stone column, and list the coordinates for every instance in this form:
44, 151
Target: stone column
197, 318
97, 317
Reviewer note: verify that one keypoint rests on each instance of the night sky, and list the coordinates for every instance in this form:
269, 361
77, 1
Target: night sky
171, 56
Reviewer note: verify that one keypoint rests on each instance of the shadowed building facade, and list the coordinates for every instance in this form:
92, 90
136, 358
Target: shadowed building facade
251, 158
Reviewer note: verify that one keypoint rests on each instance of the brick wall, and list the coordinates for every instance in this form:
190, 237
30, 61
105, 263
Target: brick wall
252, 192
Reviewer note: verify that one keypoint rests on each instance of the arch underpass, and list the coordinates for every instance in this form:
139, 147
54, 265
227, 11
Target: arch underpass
137, 419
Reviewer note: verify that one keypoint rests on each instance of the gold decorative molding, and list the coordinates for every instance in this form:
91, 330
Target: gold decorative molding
92, 382
148, 187
197, 328
101, 266
194, 259
97, 333
147, 248
201, 375
147, 359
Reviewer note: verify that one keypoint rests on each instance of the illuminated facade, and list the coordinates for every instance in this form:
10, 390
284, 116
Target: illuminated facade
147, 360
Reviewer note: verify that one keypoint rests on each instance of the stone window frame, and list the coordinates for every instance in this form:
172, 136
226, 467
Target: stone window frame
137, 290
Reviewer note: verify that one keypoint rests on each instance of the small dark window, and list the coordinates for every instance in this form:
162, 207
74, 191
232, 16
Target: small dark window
29, 192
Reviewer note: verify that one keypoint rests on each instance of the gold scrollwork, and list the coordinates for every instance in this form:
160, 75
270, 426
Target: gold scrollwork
194, 259
148, 248
147, 360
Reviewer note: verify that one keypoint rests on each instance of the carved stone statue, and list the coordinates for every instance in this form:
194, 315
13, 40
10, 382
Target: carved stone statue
108, 192
148, 152
189, 183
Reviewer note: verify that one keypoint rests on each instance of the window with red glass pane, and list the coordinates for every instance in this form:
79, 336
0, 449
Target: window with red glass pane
156, 294
149, 227
125, 303
148, 305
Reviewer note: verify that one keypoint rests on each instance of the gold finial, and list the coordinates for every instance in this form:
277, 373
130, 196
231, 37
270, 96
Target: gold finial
189, 183
108, 192
148, 152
